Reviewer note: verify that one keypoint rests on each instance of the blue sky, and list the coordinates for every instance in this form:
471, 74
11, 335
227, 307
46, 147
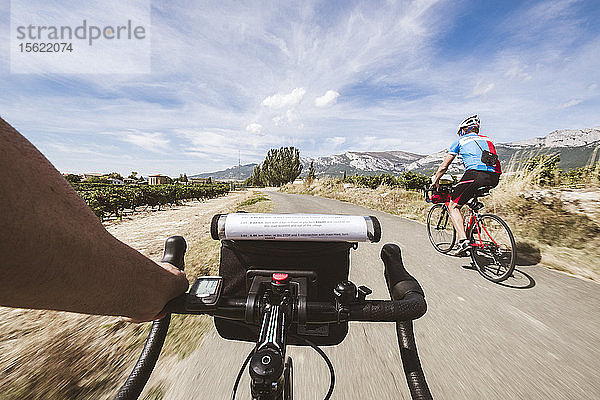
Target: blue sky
233, 78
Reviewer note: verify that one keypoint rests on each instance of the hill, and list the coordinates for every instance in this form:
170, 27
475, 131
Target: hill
361, 163
239, 172
576, 147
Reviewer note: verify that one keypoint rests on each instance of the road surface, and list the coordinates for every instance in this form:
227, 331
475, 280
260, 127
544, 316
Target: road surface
535, 337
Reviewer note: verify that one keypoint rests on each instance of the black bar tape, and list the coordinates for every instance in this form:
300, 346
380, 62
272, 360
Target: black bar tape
400, 282
175, 248
410, 361
145, 364
388, 311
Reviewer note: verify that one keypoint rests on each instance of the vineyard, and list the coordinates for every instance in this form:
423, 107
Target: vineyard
111, 200
407, 180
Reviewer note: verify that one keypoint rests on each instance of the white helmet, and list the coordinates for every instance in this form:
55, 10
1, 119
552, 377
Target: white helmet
472, 121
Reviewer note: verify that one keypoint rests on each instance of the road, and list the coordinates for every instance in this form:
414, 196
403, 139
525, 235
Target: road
535, 337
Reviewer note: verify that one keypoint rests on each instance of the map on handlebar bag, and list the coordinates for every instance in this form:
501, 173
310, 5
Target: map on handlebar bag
316, 227
296, 227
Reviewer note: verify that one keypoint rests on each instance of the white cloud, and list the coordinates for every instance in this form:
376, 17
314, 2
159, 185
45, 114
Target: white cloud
592, 87
278, 100
154, 142
254, 128
518, 72
570, 103
336, 141
329, 98
480, 89
288, 118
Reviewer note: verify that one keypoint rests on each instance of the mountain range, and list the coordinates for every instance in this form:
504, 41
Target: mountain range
576, 148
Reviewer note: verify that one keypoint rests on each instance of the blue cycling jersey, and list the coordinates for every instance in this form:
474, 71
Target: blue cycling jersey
467, 147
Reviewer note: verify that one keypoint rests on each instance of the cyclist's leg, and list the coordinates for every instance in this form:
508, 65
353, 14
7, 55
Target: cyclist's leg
463, 192
457, 220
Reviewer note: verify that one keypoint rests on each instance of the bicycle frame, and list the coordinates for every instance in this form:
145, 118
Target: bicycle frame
473, 223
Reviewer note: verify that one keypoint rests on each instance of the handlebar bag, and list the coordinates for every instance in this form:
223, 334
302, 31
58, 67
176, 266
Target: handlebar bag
330, 261
438, 197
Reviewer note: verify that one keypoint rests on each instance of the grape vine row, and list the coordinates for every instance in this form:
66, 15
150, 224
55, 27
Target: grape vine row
107, 200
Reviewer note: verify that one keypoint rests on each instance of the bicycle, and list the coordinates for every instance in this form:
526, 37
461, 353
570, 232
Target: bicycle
279, 302
493, 248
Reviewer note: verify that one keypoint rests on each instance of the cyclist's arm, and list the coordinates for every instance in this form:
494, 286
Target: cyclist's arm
442, 169
55, 252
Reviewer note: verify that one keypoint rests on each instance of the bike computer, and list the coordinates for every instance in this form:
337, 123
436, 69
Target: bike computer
207, 289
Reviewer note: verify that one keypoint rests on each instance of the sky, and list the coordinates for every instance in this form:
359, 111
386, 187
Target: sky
228, 80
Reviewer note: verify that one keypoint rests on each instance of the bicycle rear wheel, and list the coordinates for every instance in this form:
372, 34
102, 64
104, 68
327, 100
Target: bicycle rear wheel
440, 229
493, 248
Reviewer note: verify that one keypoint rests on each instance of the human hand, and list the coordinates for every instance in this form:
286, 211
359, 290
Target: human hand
173, 284
435, 182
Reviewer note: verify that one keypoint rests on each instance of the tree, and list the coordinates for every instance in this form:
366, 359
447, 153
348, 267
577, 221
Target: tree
281, 166
311, 170
310, 178
114, 175
256, 178
72, 178
133, 175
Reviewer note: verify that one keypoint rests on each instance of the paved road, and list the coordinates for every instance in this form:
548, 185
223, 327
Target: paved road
536, 337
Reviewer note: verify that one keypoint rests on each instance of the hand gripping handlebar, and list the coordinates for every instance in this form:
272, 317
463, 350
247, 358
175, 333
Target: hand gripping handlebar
403, 286
175, 248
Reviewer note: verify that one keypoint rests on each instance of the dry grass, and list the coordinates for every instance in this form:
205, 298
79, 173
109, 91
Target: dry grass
64, 356
546, 231
566, 240
258, 203
392, 200
56, 355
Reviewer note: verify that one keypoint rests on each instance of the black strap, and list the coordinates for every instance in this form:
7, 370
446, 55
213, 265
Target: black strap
478, 144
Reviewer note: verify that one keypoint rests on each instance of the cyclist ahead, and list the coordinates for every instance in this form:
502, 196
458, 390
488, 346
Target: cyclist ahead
482, 168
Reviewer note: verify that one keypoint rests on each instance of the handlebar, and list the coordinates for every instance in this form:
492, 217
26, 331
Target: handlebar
407, 303
409, 308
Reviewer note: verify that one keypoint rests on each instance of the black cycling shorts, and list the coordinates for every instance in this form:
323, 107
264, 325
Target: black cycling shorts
469, 183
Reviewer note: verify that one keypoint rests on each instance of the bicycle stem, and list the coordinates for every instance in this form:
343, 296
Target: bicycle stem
267, 364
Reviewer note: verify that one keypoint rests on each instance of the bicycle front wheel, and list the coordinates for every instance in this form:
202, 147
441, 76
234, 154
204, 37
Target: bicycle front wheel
440, 229
493, 248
